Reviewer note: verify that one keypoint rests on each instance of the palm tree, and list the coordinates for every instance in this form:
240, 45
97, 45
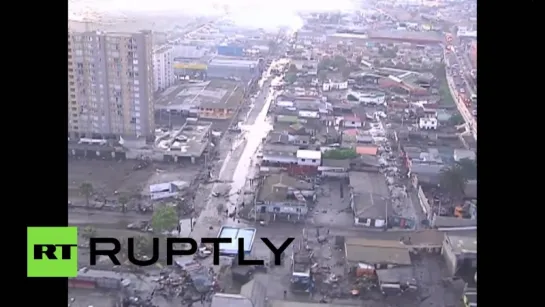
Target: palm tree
123, 200
453, 181
86, 190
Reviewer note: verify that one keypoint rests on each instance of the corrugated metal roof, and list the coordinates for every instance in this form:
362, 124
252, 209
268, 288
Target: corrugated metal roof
367, 150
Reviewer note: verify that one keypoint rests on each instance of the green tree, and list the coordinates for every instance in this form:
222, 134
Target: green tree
339, 61
322, 75
325, 64
88, 232
346, 72
142, 245
290, 78
456, 119
86, 190
123, 201
468, 168
292, 69
340, 154
165, 218
453, 181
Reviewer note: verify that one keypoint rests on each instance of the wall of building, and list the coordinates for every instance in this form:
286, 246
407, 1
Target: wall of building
309, 162
215, 113
163, 70
352, 124
450, 257
120, 100
283, 208
279, 159
427, 123
230, 50
220, 71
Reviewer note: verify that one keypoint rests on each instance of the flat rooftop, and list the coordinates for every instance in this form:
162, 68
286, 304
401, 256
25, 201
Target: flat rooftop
248, 234
381, 252
188, 141
233, 62
230, 300
371, 194
463, 243
209, 94
406, 35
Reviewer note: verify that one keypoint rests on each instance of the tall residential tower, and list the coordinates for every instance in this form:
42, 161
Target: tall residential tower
110, 84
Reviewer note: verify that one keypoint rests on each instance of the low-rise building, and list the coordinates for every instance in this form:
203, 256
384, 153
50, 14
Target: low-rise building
376, 253
281, 196
333, 85
352, 122
460, 250
224, 108
369, 199
186, 143
279, 154
428, 123
334, 168
309, 157
233, 68
252, 294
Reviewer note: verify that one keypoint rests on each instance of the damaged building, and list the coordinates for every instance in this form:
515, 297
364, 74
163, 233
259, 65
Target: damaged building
369, 199
187, 143
281, 196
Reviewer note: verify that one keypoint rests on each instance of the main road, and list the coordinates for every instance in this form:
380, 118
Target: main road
236, 167
466, 114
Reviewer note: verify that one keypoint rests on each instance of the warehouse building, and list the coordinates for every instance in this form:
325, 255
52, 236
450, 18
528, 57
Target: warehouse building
233, 68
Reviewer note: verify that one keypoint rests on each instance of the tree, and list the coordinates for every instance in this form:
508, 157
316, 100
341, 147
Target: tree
456, 119
142, 245
339, 61
292, 69
325, 64
322, 75
340, 154
123, 200
468, 168
165, 218
86, 190
88, 232
453, 181
290, 78
346, 72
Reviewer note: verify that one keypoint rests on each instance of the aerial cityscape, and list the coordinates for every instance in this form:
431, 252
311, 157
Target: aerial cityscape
349, 126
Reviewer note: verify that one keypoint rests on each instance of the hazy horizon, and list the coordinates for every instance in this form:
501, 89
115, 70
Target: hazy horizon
243, 12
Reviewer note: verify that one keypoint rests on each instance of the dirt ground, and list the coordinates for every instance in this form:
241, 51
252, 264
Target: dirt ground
106, 177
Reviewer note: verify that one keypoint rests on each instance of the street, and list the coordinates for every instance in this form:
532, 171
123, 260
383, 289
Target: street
236, 166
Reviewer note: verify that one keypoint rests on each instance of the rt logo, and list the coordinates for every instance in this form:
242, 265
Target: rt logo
52, 251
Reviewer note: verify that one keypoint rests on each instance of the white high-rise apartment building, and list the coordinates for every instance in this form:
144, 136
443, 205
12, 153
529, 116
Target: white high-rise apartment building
163, 71
110, 84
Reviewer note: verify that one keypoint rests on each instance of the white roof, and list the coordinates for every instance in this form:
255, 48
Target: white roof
309, 154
